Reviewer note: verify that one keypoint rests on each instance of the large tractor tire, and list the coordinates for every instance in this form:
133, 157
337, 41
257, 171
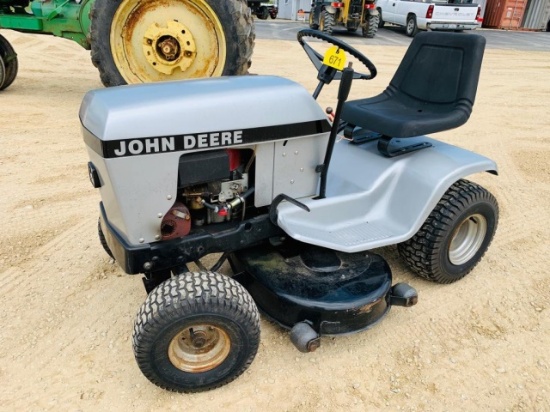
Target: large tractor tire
370, 29
326, 22
140, 41
8, 59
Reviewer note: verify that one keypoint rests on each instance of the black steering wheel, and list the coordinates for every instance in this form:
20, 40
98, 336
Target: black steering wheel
317, 59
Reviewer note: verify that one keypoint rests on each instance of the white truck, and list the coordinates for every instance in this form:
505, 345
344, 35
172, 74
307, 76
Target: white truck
417, 15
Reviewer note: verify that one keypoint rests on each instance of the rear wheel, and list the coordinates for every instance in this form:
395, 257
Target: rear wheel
326, 22
455, 236
10, 64
195, 332
137, 41
370, 29
411, 28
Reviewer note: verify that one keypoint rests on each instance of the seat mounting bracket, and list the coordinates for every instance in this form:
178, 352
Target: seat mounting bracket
392, 146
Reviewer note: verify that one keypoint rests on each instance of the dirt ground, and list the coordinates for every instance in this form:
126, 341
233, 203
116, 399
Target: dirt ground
67, 310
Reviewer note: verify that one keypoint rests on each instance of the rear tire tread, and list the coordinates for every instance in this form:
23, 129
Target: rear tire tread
421, 252
328, 22
372, 27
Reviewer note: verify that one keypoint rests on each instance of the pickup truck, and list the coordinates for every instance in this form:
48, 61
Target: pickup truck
417, 15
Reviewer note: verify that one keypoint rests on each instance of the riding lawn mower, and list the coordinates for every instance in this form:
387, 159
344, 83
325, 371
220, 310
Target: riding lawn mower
294, 202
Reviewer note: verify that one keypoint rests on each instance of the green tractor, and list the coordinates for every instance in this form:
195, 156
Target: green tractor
137, 41
349, 14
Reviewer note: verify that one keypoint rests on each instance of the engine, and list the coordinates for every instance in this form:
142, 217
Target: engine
212, 188
147, 150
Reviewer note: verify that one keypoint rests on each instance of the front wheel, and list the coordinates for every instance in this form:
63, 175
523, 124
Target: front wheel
455, 236
103, 241
196, 332
140, 41
411, 29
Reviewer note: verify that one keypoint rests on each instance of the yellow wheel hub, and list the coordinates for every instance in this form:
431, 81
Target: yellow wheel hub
157, 40
170, 47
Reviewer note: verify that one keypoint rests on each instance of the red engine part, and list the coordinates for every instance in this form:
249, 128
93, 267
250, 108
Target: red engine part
176, 223
234, 158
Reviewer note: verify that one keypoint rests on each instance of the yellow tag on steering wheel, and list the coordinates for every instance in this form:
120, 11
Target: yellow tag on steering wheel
335, 58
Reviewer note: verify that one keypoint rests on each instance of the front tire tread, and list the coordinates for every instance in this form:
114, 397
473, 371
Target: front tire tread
187, 295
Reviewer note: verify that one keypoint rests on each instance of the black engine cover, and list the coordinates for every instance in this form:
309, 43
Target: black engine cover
203, 167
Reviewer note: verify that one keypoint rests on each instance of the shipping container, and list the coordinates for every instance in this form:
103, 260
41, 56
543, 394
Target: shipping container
537, 15
504, 14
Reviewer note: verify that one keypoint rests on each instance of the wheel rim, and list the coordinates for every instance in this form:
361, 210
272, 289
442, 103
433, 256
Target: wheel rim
199, 348
467, 239
410, 26
149, 43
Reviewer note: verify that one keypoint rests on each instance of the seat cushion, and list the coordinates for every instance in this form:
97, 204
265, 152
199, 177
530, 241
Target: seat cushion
397, 115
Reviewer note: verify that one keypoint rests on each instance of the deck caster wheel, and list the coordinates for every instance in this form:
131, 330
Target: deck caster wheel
195, 332
304, 337
403, 294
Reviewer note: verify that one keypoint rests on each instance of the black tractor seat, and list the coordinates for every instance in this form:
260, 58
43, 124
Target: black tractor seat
433, 89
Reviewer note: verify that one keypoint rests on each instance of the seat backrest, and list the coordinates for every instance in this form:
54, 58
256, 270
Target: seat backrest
441, 68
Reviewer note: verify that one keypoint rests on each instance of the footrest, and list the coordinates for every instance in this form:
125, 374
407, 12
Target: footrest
346, 237
374, 201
